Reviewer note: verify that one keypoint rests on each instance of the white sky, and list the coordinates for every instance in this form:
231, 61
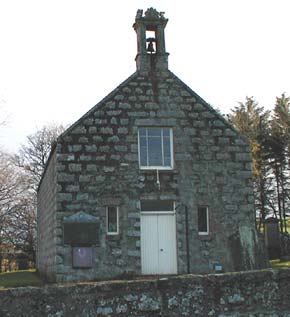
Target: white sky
58, 58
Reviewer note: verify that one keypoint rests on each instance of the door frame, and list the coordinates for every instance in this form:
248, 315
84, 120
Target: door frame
160, 213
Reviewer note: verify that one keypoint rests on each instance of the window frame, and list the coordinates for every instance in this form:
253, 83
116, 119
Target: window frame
156, 167
112, 233
153, 212
203, 233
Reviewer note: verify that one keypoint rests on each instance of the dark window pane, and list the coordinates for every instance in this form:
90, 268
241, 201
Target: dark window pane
167, 151
166, 132
154, 151
143, 151
154, 132
143, 156
157, 205
202, 219
112, 220
142, 132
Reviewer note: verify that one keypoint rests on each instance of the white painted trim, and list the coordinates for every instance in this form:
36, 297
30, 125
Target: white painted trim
142, 167
157, 213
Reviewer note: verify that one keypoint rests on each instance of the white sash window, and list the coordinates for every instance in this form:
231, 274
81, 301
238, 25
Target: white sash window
155, 148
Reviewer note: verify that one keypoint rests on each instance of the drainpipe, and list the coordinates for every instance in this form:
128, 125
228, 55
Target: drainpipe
187, 239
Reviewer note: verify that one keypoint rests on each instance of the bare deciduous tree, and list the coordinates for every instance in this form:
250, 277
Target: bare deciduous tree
32, 157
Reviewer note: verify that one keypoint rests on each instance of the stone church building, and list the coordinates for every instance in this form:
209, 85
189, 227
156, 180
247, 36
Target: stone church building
151, 180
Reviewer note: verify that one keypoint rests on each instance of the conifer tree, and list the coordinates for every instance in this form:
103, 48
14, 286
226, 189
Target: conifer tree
252, 121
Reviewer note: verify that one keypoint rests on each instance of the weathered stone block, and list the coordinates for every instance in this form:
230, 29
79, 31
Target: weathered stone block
75, 148
72, 188
64, 177
83, 140
134, 253
91, 148
99, 121
198, 107
82, 196
124, 121
133, 233
74, 167
79, 130
85, 158
151, 106
132, 98
137, 114
65, 157
97, 139
119, 97
109, 169
91, 168
124, 105
111, 104
100, 158
104, 149
113, 139
64, 197
115, 157
106, 130
243, 157
114, 121
84, 178
138, 91
123, 130
218, 124
121, 148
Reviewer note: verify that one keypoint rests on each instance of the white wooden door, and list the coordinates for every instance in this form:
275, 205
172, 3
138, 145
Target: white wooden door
158, 243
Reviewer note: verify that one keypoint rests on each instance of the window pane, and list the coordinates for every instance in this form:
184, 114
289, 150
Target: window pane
155, 147
154, 151
112, 220
143, 151
166, 132
167, 151
154, 132
202, 219
157, 205
142, 132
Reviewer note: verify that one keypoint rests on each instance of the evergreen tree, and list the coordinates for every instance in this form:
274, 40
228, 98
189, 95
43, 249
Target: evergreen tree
252, 121
279, 144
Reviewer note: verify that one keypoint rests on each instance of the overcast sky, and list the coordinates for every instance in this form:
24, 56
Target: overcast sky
58, 58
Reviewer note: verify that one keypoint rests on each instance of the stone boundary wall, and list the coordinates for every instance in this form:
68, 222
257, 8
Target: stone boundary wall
253, 293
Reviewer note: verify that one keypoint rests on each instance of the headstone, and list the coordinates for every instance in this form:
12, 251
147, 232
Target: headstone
272, 238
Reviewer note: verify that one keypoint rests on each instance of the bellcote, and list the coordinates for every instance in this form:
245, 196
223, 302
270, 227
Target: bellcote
151, 53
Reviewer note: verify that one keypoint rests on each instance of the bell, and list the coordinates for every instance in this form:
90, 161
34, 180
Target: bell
150, 47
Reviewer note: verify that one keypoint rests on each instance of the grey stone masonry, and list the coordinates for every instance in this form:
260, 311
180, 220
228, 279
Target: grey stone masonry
211, 168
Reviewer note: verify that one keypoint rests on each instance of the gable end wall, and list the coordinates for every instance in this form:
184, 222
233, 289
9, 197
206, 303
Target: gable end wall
98, 166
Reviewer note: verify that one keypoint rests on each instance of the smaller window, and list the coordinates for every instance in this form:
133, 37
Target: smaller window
112, 220
202, 220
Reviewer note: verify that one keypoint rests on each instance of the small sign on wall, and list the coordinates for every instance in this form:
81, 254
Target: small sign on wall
82, 257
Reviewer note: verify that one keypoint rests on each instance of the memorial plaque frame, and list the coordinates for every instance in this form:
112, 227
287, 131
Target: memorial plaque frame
81, 229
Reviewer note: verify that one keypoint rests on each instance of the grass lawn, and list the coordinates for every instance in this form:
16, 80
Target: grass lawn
31, 278
20, 278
